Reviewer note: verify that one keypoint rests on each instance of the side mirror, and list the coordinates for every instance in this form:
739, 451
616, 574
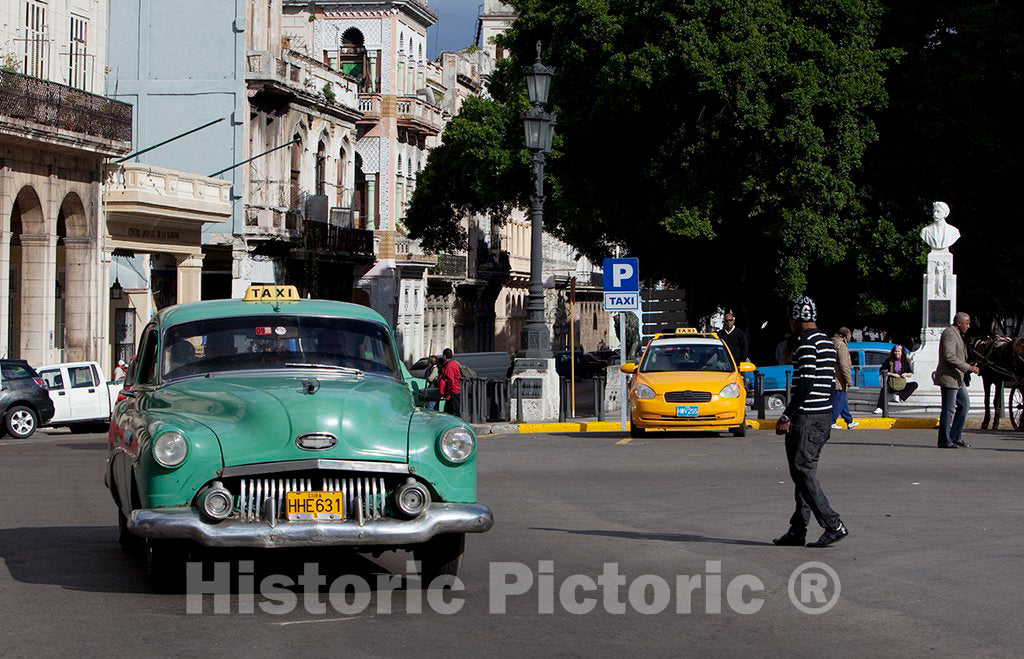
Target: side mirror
747, 367
628, 367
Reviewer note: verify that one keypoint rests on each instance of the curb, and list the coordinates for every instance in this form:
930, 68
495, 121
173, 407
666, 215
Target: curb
902, 423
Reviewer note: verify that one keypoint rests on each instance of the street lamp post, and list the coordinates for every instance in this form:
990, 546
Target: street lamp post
539, 126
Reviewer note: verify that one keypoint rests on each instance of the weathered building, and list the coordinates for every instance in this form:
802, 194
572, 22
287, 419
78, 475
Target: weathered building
55, 136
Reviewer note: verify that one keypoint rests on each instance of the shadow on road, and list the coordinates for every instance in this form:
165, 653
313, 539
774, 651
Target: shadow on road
89, 558
924, 446
667, 537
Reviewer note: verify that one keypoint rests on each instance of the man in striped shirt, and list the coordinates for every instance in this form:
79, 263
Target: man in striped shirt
806, 423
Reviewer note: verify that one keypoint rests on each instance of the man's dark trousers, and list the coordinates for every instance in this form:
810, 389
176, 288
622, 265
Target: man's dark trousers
804, 442
953, 414
453, 405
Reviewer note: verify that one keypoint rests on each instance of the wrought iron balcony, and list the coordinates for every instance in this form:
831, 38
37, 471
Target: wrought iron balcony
66, 108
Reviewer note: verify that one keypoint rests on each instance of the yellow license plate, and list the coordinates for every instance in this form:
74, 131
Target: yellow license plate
315, 505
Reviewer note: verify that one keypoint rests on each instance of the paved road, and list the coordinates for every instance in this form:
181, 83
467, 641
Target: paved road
932, 566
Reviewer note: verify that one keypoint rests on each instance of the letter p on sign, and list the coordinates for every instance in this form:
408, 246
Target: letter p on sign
620, 273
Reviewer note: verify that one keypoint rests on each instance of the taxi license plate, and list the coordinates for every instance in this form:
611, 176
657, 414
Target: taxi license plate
315, 506
686, 410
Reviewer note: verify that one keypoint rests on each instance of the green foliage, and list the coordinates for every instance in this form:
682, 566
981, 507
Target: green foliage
328, 93
705, 137
480, 168
9, 63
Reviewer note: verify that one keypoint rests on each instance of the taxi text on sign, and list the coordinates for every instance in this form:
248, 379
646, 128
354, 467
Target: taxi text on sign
621, 284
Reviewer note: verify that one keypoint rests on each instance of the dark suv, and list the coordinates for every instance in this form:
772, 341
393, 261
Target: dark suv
24, 399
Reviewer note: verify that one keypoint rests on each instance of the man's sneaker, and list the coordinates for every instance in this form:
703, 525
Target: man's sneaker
836, 426
831, 536
853, 424
878, 410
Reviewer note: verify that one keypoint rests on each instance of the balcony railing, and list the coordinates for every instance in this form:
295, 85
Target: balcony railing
325, 238
52, 104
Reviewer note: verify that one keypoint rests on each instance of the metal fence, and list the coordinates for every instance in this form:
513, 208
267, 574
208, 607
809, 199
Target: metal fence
52, 104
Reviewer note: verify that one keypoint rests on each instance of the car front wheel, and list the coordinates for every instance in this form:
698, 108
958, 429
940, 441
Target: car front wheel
440, 556
635, 430
20, 422
165, 564
741, 431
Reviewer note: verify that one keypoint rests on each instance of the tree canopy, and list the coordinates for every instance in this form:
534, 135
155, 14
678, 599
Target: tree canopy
734, 146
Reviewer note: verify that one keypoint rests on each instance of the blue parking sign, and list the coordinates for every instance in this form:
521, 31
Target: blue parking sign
622, 275
621, 284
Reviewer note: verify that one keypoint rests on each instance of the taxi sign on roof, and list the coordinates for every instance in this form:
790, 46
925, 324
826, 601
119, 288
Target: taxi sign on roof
275, 293
686, 330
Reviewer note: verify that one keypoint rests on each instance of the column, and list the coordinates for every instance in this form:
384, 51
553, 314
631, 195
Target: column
5, 289
79, 306
371, 203
190, 277
37, 303
105, 333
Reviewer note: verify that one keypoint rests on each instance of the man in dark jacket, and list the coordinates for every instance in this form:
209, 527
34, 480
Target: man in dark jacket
735, 338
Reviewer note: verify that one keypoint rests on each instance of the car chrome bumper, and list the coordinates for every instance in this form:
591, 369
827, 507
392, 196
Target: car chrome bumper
185, 523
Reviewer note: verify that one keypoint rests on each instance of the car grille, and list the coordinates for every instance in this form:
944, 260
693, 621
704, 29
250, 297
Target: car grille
688, 397
368, 492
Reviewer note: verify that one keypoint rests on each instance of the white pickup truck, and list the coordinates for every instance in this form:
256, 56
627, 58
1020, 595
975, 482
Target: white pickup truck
82, 397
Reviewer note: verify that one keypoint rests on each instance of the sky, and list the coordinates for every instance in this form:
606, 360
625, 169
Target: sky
456, 26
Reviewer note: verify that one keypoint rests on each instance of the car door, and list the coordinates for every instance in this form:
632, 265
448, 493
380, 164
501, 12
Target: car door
873, 360
83, 392
55, 379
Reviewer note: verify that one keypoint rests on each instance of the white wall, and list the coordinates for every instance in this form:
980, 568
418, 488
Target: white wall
55, 44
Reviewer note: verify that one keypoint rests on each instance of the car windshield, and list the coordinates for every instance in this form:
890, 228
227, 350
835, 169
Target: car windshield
672, 356
275, 341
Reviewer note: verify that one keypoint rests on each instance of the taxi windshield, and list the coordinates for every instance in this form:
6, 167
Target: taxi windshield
673, 355
275, 341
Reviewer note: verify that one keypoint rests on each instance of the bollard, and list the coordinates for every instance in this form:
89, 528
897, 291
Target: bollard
885, 396
561, 400
519, 401
599, 398
759, 393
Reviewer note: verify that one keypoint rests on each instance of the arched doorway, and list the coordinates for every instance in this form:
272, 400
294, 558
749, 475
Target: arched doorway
74, 275
26, 222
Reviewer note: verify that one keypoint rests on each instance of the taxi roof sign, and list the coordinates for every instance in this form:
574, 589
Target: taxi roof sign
686, 330
261, 293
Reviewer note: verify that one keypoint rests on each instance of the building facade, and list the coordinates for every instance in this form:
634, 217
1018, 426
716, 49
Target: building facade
55, 138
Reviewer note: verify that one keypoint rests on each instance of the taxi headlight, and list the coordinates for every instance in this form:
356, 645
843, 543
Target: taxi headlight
170, 449
457, 445
643, 392
730, 391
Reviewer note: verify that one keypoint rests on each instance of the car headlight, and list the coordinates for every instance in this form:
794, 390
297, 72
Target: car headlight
643, 392
170, 449
730, 391
457, 445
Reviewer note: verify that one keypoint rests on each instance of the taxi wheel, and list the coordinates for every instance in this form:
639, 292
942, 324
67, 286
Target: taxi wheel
128, 540
635, 430
741, 431
20, 422
440, 556
165, 564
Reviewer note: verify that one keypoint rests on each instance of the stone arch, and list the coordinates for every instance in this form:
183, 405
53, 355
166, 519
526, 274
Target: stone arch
353, 36
31, 297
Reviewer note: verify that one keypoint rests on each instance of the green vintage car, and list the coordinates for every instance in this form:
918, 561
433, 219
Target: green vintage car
279, 422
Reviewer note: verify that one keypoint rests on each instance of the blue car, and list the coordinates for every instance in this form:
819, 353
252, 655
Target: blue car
866, 358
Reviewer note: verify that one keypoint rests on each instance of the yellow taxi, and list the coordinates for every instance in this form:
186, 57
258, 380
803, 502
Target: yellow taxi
687, 380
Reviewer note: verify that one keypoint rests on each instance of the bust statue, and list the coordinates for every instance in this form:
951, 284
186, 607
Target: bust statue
939, 235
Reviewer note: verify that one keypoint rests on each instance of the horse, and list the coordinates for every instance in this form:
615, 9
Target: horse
1000, 358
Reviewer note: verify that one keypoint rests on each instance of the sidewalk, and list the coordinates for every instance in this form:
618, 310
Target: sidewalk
865, 422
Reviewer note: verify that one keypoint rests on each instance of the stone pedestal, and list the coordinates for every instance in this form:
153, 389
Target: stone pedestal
938, 308
539, 383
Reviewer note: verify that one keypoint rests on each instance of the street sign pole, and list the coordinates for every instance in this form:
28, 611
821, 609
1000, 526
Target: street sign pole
622, 376
622, 294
